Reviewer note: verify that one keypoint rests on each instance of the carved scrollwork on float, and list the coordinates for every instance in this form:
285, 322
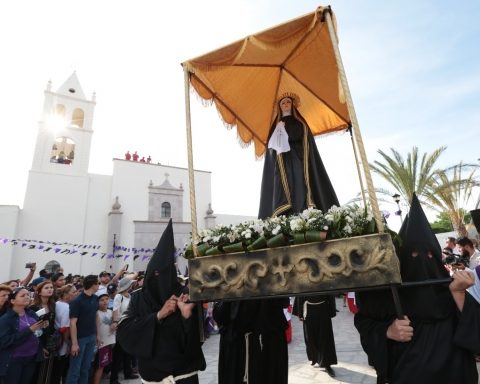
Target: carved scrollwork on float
231, 275
342, 264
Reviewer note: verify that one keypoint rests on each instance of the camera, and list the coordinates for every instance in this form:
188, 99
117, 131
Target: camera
30, 265
42, 314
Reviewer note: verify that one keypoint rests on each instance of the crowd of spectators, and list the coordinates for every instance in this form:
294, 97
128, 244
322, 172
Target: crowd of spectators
461, 253
59, 328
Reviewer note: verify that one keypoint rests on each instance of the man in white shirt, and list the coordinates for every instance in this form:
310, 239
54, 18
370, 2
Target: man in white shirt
468, 250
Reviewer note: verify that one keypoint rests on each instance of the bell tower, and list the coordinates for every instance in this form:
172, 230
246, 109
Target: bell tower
65, 130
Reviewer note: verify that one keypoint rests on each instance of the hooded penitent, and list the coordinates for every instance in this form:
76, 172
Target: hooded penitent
166, 346
430, 356
161, 275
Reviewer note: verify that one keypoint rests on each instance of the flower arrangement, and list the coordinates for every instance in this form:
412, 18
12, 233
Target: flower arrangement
315, 220
310, 225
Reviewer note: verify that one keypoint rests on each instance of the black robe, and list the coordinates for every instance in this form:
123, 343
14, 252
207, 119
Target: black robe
167, 347
297, 179
467, 334
317, 328
291, 182
429, 358
236, 332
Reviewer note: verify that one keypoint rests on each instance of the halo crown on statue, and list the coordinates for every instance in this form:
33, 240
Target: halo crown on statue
293, 96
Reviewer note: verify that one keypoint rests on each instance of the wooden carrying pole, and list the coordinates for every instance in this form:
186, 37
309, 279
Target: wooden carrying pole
355, 127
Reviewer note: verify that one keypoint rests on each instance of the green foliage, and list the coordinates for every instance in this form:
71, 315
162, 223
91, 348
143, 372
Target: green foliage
443, 190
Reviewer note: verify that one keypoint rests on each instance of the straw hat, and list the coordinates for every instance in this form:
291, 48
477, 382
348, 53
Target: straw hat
124, 284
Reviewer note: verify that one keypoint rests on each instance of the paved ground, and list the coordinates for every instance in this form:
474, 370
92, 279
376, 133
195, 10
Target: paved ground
352, 362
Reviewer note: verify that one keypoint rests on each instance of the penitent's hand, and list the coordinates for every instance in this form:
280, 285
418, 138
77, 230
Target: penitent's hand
168, 308
462, 280
400, 330
185, 307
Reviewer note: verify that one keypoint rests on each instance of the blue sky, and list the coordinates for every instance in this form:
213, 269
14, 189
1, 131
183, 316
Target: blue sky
412, 66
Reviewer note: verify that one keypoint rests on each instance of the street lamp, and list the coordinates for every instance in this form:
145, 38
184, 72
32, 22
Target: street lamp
396, 198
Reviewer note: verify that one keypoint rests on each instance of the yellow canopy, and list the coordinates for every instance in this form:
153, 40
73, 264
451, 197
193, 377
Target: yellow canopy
246, 78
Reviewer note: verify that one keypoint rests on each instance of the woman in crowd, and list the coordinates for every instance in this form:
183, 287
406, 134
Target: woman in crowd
5, 291
62, 324
12, 284
23, 283
19, 345
44, 300
105, 335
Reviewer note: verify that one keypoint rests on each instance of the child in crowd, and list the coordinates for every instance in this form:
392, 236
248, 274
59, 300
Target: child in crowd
106, 336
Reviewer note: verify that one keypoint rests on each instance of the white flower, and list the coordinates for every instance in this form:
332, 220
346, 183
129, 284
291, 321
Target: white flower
325, 227
329, 217
276, 230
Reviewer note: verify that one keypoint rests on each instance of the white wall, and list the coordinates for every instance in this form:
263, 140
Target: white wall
63, 208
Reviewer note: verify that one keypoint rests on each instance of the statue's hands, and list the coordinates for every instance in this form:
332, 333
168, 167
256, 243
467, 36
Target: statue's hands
185, 307
168, 308
400, 330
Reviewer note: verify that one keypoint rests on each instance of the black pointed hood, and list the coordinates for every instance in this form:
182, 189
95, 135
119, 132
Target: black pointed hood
161, 274
420, 253
420, 257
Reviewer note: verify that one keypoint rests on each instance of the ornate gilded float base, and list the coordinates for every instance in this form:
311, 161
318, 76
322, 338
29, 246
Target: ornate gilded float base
334, 265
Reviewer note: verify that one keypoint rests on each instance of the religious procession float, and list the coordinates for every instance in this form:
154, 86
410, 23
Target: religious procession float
296, 247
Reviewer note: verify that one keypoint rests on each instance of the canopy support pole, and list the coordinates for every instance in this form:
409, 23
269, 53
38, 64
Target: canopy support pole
191, 176
357, 163
191, 183
355, 127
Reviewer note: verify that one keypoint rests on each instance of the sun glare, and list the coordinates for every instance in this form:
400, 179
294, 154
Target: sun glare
56, 123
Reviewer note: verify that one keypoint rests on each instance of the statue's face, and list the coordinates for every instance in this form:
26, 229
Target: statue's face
286, 105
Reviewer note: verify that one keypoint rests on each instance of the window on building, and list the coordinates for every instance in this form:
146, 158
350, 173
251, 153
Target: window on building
63, 151
60, 110
77, 117
166, 210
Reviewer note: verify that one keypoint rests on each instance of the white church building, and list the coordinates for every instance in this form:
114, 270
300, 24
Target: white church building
86, 214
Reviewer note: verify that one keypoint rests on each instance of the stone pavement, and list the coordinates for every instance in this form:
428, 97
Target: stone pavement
352, 364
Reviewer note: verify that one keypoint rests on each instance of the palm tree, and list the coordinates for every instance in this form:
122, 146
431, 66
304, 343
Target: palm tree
439, 189
408, 176
450, 192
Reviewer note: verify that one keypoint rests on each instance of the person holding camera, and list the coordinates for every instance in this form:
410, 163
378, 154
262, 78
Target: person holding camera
20, 348
44, 307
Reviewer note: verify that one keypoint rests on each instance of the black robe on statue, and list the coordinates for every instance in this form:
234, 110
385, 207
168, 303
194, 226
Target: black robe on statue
431, 357
167, 347
317, 327
295, 180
